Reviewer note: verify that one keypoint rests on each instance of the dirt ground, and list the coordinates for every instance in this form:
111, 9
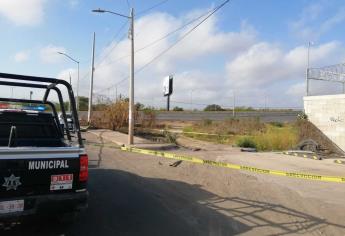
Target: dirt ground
217, 201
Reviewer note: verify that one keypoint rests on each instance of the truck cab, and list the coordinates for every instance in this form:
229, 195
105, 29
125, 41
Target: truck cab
43, 170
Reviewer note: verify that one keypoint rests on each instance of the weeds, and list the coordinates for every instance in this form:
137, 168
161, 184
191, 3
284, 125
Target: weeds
277, 138
245, 142
248, 133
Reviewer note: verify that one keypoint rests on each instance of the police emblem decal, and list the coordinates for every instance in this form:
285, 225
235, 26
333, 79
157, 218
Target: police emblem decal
12, 182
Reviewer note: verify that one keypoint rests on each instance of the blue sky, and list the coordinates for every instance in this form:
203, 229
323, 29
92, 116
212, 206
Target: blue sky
253, 49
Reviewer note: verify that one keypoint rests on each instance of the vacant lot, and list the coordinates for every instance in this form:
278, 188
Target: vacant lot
133, 194
273, 136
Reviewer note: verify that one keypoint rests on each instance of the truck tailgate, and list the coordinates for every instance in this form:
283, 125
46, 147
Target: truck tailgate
35, 171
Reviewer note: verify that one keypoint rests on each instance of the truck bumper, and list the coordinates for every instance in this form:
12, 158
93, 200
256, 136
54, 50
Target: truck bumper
48, 204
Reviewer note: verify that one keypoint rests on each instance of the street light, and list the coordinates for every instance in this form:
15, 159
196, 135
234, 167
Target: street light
71, 58
131, 81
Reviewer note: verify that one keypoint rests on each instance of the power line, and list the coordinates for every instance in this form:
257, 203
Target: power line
174, 44
183, 36
152, 7
108, 44
116, 44
163, 37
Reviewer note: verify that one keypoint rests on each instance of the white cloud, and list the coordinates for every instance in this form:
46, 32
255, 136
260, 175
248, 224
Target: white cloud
265, 64
312, 23
210, 62
21, 56
186, 59
297, 90
23, 12
49, 54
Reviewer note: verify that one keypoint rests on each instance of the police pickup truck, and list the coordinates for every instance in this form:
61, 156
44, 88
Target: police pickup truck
43, 168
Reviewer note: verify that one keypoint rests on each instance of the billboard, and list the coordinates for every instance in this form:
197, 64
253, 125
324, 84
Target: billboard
168, 85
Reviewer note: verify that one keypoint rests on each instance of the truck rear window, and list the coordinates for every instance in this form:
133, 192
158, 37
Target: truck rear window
33, 129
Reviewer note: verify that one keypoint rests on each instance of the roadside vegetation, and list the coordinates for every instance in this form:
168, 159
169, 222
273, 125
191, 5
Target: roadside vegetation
249, 133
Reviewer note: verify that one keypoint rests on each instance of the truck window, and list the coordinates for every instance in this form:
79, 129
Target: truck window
33, 129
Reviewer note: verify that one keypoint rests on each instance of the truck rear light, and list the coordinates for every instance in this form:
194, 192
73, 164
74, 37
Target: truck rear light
84, 168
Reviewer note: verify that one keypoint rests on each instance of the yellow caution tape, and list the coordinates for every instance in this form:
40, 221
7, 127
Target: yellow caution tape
222, 135
236, 167
339, 161
302, 155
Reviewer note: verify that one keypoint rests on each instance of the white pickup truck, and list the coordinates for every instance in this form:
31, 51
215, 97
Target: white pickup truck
43, 168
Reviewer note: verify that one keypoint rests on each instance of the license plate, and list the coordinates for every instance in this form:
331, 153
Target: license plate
61, 182
11, 206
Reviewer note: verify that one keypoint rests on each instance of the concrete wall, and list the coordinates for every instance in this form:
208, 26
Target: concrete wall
327, 113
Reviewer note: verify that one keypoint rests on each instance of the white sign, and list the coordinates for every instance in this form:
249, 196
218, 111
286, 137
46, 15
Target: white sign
168, 85
61, 182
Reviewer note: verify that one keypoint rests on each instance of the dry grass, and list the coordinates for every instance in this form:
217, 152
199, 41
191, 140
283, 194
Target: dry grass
115, 117
228, 127
247, 133
277, 138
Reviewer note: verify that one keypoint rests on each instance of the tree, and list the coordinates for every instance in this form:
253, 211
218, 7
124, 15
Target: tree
178, 109
139, 106
83, 103
213, 107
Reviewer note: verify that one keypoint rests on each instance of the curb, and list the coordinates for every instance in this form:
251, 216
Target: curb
196, 160
98, 135
339, 162
312, 156
157, 147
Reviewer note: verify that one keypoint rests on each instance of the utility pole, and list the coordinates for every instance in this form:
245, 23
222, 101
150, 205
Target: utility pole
191, 99
116, 93
307, 70
131, 83
233, 105
91, 80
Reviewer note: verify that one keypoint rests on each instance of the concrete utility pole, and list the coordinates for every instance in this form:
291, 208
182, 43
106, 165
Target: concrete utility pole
131, 81
91, 80
191, 99
233, 105
116, 93
307, 70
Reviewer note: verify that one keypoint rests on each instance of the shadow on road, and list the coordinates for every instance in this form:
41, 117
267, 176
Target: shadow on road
122, 203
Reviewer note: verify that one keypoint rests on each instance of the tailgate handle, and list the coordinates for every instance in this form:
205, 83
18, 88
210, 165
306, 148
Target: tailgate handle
13, 134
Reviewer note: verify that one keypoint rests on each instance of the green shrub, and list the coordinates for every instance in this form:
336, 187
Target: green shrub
275, 139
246, 142
277, 124
206, 122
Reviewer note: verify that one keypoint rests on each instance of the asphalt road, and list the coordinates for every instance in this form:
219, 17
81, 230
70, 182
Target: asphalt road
121, 203
133, 194
265, 116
